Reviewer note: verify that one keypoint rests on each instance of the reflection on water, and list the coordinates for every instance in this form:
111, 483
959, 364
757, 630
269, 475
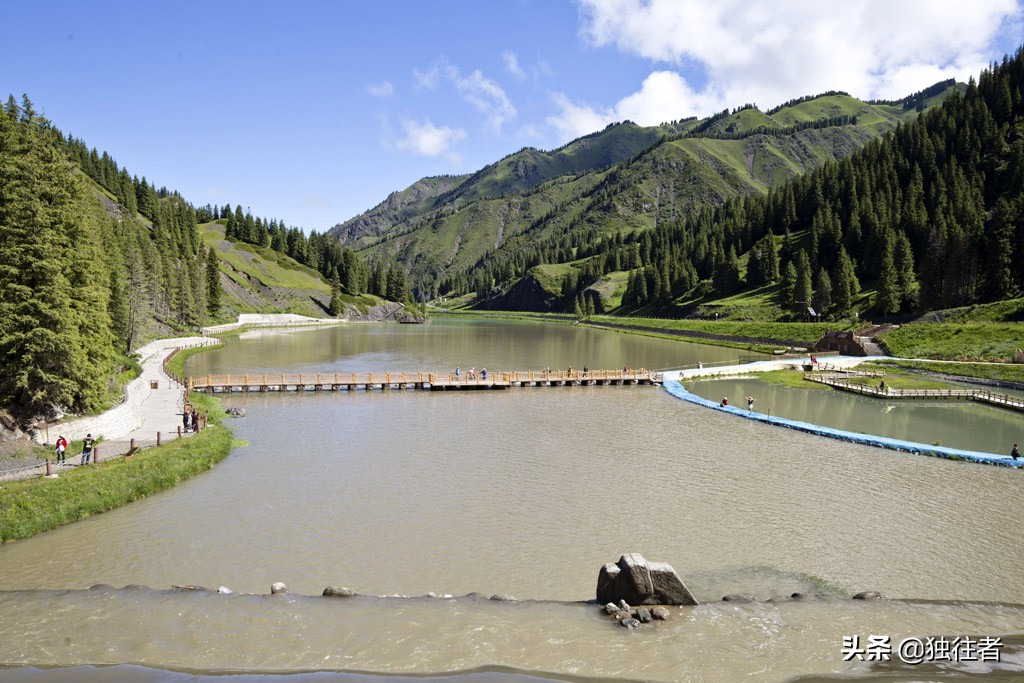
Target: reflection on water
446, 343
525, 491
957, 424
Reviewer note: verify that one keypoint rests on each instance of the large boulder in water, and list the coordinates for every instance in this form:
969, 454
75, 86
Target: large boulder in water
638, 582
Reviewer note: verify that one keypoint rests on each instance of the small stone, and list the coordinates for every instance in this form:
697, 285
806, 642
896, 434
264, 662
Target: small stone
278, 587
431, 594
868, 595
623, 605
660, 613
504, 597
738, 597
630, 623
611, 608
622, 614
224, 590
643, 615
332, 592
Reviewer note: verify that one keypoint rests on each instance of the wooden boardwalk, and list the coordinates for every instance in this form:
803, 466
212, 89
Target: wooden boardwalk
430, 381
980, 395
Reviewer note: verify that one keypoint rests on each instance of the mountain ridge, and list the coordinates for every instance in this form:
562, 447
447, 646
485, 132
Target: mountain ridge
624, 177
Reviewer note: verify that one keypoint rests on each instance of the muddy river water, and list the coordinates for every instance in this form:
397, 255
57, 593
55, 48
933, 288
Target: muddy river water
525, 492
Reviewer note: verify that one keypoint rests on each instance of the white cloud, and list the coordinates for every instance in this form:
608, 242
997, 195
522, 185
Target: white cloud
427, 79
749, 52
487, 96
426, 139
574, 120
662, 97
384, 89
512, 64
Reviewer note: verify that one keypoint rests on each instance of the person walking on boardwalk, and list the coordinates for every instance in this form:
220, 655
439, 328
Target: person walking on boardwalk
86, 449
1015, 453
62, 447
750, 403
186, 420
195, 421
458, 371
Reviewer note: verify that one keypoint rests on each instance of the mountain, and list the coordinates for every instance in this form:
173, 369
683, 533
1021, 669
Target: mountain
929, 216
623, 178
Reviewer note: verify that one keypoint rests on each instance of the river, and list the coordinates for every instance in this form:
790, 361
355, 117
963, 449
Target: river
523, 491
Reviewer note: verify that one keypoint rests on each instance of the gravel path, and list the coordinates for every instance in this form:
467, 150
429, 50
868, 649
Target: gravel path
153, 403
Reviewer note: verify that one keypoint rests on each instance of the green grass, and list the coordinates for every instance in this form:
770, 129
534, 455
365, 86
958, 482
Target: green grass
1010, 310
791, 378
797, 332
32, 506
550, 275
896, 378
176, 366
1002, 372
950, 341
268, 266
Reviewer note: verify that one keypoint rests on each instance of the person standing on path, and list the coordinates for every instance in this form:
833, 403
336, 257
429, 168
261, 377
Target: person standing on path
1015, 453
750, 403
62, 446
86, 449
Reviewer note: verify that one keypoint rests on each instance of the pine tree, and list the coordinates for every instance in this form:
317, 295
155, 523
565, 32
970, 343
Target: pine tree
787, 289
802, 290
212, 282
889, 293
118, 311
55, 336
845, 285
823, 293
336, 305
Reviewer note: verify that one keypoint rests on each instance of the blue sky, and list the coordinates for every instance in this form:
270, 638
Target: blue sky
312, 112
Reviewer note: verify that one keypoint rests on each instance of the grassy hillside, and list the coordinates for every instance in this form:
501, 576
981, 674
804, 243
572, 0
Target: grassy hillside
620, 179
261, 280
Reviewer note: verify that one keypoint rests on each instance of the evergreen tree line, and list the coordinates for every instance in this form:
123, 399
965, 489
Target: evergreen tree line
827, 122
931, 216
80, 281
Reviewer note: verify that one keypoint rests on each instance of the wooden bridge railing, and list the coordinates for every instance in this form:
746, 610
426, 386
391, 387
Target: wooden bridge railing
257, 379
983, 395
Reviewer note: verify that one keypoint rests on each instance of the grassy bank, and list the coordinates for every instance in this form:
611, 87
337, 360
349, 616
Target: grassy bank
32, 506
176, 366
956, 341
1003, 373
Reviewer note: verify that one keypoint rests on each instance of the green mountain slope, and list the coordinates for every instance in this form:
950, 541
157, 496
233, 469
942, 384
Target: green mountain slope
260, 280
624, 178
